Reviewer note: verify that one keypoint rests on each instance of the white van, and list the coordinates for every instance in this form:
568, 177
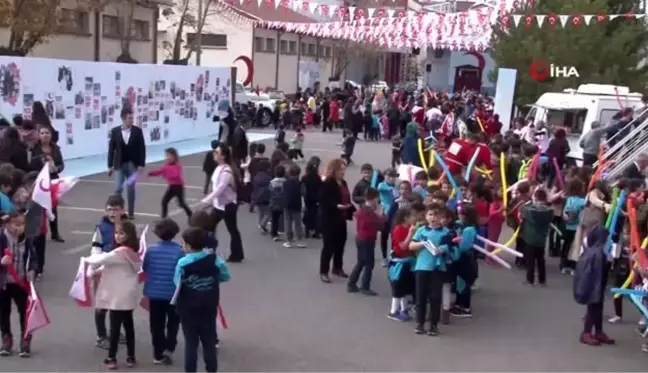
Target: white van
577, 109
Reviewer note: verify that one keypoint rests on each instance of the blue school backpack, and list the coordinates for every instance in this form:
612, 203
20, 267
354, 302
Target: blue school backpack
588, 282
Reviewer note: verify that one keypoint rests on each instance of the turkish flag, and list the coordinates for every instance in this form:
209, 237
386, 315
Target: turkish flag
42, 191
36, 317
61, 186
80, 289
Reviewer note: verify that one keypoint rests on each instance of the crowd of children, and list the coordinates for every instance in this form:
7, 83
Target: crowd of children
181, 286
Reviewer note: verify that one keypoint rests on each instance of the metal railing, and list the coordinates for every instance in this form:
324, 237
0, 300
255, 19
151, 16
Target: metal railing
622, 150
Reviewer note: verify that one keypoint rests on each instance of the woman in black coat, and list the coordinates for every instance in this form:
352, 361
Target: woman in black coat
47, 152
335, 209
41, 119
13, 150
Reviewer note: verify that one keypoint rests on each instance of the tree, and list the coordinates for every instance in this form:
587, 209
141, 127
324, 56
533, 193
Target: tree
31, 23
182, 16
611, 52
344, 51
125, 13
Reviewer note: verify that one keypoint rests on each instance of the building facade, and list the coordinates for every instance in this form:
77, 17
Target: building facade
90, 35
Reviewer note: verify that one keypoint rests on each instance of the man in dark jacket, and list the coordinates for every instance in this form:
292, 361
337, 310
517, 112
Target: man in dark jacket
126, 156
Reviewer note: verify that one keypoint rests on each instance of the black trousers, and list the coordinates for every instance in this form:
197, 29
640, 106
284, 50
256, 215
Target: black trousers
429, 285
334, 239
384, 239
18, 295
199, 328
275, 219
519, 247
119, 318
621, 271
39, 243
229, 215
176, 191
593, 318
297, 154
568, 240
534, 257
164, 323
310, 219
53, 224
365, 263
555, 241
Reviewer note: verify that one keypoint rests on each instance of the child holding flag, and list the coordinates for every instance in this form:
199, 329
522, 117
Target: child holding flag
17, 267
119, 291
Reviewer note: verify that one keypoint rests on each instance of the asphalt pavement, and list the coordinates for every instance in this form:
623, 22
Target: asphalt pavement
282, 318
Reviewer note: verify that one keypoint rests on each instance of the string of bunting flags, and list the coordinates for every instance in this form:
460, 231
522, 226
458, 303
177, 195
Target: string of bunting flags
467, 30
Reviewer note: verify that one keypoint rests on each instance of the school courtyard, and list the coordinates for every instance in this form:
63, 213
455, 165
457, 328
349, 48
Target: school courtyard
282, 318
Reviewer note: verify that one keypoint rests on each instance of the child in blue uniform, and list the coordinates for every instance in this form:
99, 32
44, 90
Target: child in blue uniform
388, 192
464, 264
429, 269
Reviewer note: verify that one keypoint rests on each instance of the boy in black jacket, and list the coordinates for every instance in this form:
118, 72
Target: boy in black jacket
261, 193
293, 206
360, 189
209, 165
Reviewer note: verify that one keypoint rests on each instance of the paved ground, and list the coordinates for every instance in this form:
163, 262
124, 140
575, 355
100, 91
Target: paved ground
282, 318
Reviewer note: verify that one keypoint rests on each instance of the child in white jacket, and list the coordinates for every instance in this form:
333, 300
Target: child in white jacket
119, 290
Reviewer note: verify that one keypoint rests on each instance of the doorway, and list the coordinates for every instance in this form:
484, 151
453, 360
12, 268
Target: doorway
467, 77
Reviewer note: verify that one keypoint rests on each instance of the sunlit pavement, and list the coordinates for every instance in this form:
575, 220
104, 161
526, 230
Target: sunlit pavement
282, 318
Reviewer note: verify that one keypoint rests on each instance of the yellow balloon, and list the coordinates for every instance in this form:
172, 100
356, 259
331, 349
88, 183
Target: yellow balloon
503, 177
420, 151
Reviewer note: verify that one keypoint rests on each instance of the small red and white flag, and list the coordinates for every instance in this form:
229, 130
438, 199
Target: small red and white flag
36, 317
80, 290
42, 193
142, 253
61, 186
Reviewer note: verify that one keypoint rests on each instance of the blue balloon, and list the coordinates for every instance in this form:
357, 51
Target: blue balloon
471, 164
374, 179
451, 179
637, 292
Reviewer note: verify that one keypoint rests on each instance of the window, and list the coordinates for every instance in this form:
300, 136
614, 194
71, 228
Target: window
571, 120
141, 30
111, 26
258, 44
270, 45
605, 116
218, 41
327, 52
292, 47
283, 46
311, 50
303, 48
74, 21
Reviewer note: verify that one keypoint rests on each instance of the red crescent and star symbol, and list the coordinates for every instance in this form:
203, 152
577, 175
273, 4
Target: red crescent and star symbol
250, 69
539, 70
43, 188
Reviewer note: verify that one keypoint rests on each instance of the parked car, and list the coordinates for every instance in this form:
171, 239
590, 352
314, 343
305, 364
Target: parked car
243, 95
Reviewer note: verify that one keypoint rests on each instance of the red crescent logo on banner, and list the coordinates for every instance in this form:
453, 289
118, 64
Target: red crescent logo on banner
481, 61
40, 185
250, 68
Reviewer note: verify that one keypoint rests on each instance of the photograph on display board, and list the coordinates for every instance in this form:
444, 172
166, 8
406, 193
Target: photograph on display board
65, 78
82, 97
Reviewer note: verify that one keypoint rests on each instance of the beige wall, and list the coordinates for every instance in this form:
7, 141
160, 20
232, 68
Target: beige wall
82, 47
265, 63
142, 51
239, 43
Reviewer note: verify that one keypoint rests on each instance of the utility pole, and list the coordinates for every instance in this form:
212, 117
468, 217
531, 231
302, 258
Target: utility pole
199, 34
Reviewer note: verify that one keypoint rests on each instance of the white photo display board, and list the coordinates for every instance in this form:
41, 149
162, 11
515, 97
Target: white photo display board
84, 99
